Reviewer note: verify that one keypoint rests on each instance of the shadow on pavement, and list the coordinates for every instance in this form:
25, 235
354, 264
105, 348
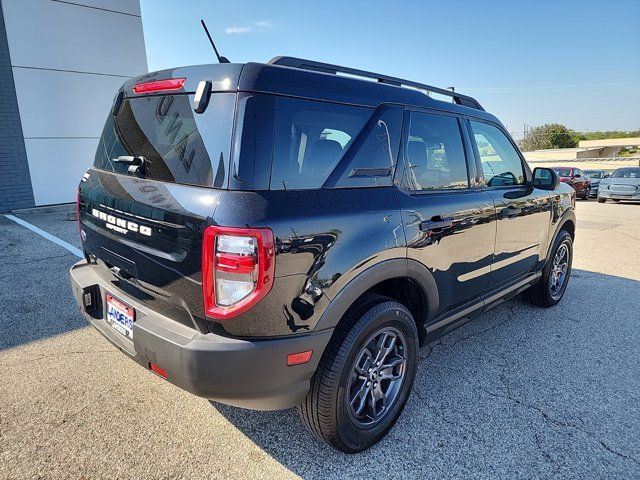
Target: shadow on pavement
35, 290
519, 391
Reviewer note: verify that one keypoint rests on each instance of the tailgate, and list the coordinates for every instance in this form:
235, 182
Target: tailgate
149, 234
145, 225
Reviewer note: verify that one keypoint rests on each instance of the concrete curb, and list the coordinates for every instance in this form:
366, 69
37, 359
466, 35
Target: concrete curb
59, 208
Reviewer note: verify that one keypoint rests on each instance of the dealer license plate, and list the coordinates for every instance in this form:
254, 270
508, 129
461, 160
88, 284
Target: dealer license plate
120, 316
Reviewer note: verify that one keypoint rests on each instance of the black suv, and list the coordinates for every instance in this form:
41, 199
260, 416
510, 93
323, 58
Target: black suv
288, 234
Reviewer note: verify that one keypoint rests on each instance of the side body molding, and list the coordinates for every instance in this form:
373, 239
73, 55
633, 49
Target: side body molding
388, 269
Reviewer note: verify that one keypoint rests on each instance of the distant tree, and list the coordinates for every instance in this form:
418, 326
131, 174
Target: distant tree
607, 134
551, 135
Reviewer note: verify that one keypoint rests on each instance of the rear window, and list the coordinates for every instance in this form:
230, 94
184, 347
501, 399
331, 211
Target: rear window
178, 144
563, 172
297, 144
594, 173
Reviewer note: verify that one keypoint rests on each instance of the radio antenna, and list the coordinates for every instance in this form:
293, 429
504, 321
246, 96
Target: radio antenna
221, 59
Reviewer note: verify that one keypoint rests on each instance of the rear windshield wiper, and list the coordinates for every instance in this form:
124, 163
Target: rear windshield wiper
136, 164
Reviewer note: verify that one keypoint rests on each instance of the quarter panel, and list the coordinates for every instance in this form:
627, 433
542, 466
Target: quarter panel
324, 238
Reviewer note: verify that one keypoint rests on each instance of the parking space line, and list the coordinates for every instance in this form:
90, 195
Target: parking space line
76, 251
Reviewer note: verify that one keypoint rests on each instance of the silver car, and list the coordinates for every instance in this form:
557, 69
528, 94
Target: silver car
595, 176
623, 184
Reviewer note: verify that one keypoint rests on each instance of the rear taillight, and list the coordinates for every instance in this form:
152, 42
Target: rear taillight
159, 85
238, 266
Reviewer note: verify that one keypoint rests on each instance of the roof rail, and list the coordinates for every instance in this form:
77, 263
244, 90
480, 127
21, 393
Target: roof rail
301, 63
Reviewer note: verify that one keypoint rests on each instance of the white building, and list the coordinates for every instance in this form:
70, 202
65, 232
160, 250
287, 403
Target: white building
61, 63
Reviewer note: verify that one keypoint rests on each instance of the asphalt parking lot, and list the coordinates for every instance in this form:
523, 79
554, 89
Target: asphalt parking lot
518, 393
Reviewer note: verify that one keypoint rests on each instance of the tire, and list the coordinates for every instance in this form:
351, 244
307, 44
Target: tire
547, 293
601, 200
330, 409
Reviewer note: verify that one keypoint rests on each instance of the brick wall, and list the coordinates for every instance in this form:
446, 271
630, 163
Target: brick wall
15, 182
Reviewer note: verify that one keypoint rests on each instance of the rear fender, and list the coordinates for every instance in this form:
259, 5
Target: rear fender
388, 269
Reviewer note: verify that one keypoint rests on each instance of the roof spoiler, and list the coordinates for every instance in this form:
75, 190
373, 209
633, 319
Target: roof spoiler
303, 64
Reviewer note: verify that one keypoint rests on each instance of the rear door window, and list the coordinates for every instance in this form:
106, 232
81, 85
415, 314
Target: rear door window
178, 145
310, 138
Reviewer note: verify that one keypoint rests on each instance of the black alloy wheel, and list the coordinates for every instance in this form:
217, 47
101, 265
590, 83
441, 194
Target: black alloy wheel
365, 376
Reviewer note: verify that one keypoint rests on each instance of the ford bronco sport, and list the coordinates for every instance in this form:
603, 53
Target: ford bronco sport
289, 234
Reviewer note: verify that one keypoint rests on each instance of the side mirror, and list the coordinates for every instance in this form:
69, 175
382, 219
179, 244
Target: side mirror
607, 175
545, 179
577, 175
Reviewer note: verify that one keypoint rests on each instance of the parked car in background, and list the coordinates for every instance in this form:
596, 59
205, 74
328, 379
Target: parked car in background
623, 184
576, 178
594, 177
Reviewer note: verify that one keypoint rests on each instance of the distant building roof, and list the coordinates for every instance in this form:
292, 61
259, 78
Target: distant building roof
610, 142
561, 154
550, 150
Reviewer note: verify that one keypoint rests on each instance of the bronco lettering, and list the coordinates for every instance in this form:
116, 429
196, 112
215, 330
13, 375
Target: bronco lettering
119, 225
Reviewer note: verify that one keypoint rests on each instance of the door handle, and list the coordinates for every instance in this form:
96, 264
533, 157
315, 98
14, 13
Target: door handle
436, 224
510, 212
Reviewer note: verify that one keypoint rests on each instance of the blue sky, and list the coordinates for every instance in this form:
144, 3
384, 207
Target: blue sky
573, 62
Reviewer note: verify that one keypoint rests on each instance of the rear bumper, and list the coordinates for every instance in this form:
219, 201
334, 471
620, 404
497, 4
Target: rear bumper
245, 373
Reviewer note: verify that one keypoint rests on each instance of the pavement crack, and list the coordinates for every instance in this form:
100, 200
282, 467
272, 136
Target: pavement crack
23, 262
615, 452
439, 415
39, 357
627, 235
73, 415
560, 423
546, 455
431, 347
440, 342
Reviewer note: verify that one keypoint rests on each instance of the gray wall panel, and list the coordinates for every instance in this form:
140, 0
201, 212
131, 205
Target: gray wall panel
68, 58
78, 102
64, 36
131, 7
57, 165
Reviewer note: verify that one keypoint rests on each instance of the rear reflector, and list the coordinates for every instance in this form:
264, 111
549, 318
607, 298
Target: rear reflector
299, 358
159, 85
158, 369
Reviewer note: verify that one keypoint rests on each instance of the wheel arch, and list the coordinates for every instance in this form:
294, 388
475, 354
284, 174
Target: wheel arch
399, 279
568, 223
